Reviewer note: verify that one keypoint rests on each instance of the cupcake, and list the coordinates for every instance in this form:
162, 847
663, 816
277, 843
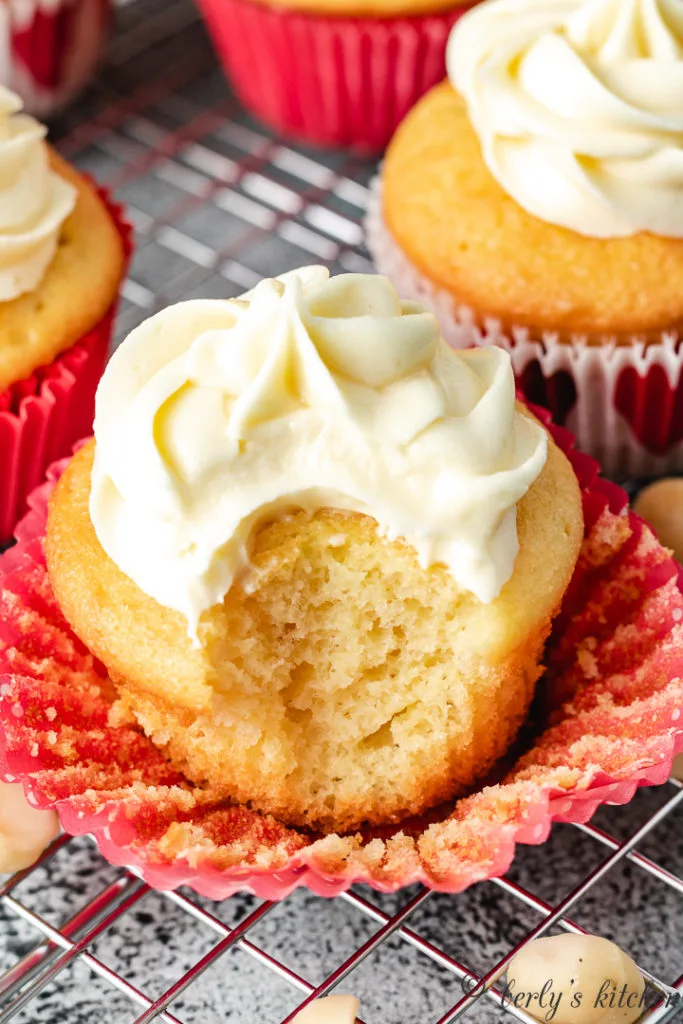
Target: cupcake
48, 51
63, 251
318, 551
332, 72
607, 720
534, 201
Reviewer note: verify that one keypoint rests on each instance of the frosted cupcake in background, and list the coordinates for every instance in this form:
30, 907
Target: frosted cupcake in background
49, 51
63, 253
535, 201
332, 72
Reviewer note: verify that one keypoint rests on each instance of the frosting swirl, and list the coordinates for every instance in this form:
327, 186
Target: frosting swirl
307, 392
34, 201
578, 105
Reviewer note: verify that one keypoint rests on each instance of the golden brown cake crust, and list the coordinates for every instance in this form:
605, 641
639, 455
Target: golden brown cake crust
366, 8
77, 290
462, 231
342, 683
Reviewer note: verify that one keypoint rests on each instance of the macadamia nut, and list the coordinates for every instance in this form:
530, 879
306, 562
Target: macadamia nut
24, 830
575, 979
330, 1010
661, 505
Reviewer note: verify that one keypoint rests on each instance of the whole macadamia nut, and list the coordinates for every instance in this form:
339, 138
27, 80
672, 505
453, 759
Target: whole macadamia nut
661, 506
24, 830
330, 1010
575, 979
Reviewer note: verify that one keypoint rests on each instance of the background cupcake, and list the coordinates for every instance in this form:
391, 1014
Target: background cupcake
49, 51
535, 200
332, 72
63, 252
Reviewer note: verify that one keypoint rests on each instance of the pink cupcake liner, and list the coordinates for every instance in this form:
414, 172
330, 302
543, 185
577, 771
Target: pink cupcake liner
50, 48
332, 81
613, 721
623, 403
41, 417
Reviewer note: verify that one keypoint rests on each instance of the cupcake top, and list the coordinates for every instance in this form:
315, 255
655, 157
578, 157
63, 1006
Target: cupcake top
34, 200
578, 105
307, 392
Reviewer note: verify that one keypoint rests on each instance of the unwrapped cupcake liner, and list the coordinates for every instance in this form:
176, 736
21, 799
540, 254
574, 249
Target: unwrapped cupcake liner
623, 403
50, 48
332, 81
42, 416
609, 719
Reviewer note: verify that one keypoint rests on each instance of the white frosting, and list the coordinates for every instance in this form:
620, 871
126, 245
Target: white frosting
307, 392
34, 201
578, 105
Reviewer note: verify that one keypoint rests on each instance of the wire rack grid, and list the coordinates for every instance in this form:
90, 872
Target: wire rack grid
218, 203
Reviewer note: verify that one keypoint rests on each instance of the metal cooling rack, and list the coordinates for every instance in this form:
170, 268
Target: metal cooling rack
218, 203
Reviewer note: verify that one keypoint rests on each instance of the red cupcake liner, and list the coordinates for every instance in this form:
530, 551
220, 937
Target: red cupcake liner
612, 721
51, 50
332, 81
41, 417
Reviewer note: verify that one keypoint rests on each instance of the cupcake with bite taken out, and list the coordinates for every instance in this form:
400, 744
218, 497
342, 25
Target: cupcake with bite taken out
318, 551
534, 201
63, 251
309, 566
